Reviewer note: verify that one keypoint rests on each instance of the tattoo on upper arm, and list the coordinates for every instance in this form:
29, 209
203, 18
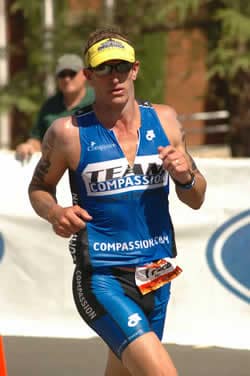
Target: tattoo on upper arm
44, 164
48, 144
41, 170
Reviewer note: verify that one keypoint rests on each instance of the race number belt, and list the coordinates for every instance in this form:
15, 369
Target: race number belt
152, 276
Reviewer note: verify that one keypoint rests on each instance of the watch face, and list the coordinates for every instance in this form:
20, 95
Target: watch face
187, 185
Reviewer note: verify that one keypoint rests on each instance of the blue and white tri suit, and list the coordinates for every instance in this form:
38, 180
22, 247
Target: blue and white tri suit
131, 227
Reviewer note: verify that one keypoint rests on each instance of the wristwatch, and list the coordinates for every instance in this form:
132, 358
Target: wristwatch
187, 185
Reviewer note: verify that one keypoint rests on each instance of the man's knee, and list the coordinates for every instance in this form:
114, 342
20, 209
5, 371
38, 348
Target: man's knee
146, 356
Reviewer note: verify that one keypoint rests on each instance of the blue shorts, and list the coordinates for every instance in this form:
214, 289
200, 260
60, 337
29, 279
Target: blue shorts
111, 304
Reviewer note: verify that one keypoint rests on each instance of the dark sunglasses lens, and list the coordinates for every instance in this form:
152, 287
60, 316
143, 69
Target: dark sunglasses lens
64, 74
123, 67
103, 69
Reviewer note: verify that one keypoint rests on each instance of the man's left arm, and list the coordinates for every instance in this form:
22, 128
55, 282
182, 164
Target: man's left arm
190, 184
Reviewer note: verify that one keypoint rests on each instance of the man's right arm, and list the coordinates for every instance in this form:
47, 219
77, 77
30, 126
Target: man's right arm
42, 189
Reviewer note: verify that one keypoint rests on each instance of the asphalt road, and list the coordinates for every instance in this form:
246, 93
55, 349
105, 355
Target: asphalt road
27, 356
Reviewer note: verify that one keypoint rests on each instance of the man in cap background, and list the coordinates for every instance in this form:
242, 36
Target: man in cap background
72, 94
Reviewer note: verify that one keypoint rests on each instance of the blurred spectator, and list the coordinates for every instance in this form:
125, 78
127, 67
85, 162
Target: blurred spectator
72, 94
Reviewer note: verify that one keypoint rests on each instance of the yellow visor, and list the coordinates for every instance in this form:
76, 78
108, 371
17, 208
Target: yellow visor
109, 49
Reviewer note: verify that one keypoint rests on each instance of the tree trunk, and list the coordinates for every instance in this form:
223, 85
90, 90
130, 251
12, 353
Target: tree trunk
240, 137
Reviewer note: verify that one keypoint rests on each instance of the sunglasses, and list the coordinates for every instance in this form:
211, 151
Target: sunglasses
67, 73
105, 69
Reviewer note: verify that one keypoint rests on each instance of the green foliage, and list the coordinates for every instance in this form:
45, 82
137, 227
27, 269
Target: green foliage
231, 52
138, 15
147, 22
183, 8
40, 49
136, 19
235, 25
150, 82
227, 25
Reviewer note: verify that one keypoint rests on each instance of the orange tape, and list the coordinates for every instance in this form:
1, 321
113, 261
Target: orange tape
3, 366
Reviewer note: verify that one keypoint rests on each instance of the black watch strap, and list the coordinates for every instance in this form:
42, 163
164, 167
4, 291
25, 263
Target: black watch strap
187, 185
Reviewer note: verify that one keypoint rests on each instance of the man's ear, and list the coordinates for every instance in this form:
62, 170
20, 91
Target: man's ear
135, 70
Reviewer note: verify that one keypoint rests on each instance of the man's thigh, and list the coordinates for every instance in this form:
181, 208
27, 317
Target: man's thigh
121, 313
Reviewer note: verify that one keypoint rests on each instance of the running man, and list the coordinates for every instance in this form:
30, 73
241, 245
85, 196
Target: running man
120, 155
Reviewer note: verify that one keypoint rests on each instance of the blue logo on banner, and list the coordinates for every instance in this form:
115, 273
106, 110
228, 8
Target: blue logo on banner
1, 246
228, 255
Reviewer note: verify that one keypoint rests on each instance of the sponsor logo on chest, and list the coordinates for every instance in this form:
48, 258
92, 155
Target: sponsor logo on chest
116, 176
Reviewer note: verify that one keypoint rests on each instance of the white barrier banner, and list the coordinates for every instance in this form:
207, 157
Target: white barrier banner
209, 301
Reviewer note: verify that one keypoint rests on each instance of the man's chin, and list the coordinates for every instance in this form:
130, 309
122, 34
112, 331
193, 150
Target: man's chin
119, 99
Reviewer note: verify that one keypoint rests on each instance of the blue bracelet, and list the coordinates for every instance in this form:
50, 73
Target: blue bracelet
186, 186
